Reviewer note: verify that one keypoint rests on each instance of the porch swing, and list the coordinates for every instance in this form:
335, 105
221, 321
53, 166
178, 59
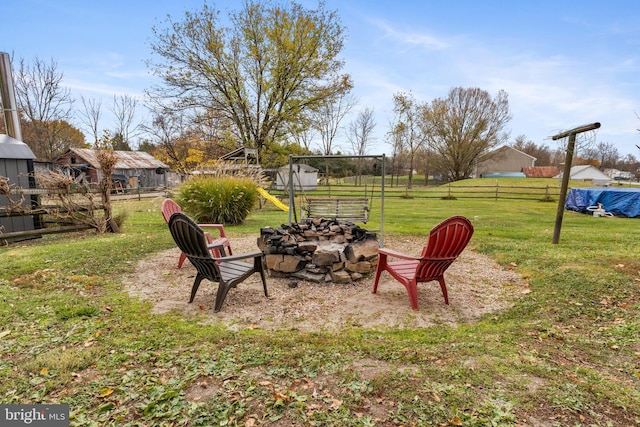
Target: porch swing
352, 209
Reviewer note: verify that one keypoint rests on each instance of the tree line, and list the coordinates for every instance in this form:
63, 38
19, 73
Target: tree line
269, 76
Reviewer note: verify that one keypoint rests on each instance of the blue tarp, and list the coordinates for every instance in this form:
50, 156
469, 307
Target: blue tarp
618, 201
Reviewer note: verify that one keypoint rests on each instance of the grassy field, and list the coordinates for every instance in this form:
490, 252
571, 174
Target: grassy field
567, 354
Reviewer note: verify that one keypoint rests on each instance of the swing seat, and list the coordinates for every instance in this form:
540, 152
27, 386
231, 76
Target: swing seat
338, 208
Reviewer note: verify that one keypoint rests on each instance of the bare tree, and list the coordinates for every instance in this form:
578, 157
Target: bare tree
542, 153
124, 109
409, 127
464, 126
302, 132
167, 126
397, 143
46, 108
605, 154
90, 116
327, 119
359, 136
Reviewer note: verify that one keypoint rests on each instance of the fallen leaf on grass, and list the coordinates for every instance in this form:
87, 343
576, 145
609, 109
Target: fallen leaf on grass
280, 396
335, 404
105, 391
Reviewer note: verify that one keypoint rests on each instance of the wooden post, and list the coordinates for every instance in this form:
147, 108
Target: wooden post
567, 171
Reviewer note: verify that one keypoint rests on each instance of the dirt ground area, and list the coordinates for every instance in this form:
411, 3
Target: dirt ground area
476, 285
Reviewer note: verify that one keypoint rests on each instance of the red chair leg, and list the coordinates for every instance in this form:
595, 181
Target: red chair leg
412, 290
382, 262
443, 286
181, 260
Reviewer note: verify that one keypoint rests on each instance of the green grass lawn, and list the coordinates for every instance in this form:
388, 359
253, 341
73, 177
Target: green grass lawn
567, 354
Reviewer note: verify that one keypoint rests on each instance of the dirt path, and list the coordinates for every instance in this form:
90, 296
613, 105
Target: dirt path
476, 284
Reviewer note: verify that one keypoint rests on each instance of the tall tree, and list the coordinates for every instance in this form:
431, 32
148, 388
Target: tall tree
326, 120
604, 153
542, 153
465, 125
167, 128
359, 135
124, 108
272, 64
409, 127
396, 141
45, 107
90, 116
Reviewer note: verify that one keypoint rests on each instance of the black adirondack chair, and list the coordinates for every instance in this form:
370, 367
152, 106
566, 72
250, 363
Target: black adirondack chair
228, 271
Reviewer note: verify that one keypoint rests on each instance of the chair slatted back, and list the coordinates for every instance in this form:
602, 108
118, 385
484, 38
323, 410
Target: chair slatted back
191, 240
446, 242
169, 207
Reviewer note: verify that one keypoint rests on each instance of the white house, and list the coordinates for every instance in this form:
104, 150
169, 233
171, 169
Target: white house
615, 173
588, 173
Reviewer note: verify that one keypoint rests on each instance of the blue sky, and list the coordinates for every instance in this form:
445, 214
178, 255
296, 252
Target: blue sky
562, 63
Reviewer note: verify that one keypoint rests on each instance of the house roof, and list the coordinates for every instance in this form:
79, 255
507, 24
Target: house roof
125, 159
586, 172
504, 148
540, 171
301, 167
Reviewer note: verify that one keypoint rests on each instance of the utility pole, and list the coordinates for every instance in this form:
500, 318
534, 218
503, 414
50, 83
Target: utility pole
567, 171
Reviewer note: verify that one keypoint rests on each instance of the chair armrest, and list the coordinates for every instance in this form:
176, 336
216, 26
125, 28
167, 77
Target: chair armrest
218, 244
252, 254
395, 254
219, 227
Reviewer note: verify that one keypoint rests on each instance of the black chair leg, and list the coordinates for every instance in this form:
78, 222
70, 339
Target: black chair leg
257, 265
223, 289
196, 285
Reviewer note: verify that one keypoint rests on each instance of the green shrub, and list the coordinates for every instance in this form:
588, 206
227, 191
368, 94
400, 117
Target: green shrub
222, 200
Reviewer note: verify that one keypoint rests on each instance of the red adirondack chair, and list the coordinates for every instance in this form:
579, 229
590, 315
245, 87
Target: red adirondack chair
446, 242
169, 207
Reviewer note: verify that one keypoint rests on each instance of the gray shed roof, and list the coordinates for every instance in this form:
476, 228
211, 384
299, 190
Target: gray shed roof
125, 159
11, 148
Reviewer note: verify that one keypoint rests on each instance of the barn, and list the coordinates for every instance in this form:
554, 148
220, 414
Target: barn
133, 169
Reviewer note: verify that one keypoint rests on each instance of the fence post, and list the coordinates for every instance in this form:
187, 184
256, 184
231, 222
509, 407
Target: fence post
497, 185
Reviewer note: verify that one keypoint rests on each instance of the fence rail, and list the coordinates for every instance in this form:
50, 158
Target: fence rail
447, 191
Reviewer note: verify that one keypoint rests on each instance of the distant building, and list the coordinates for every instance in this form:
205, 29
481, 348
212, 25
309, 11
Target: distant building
133, 169
618, 174
587, 173
305, 177
505, 161
16, 166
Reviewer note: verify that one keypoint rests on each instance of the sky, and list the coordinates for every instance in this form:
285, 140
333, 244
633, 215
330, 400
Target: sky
563, 63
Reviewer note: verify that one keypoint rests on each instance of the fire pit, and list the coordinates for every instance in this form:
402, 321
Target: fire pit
319, 250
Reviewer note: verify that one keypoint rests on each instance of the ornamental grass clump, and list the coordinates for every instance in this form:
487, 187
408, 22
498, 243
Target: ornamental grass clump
220, 200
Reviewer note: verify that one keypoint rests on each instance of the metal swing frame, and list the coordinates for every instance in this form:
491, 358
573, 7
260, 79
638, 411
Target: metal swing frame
336, 156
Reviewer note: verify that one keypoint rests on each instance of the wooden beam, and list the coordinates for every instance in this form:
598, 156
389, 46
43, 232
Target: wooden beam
579, 129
